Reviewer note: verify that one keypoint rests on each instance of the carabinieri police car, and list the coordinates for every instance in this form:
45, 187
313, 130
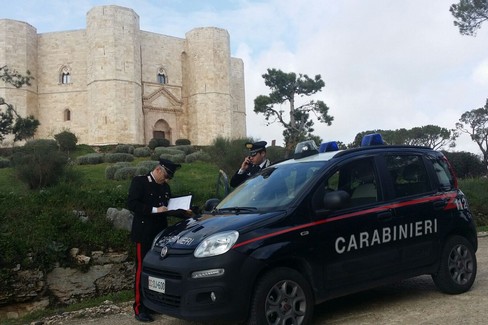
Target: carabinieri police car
323, 224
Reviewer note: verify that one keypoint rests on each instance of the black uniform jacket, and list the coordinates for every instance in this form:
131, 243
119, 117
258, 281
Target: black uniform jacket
144, 194
238, 179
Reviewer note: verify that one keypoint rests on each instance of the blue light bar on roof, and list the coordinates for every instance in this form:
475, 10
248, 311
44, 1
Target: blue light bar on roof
372, 139
328, 146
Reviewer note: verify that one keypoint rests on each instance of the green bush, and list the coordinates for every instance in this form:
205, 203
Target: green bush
117, 157
66, 140
125, 173
142, 152
176, 158
475, 191
146, 166
110, 170
182, 142
275, 153
187, 149
39, 163
158, 142
167, 151
124, 148
228, 154
4, 163
90, 159
466, 164
198, 155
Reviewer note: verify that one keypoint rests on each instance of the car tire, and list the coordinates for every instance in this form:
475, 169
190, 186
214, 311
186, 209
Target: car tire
458, 266
282, 296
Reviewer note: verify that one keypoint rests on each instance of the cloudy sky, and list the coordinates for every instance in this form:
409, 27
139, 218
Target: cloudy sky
386, 64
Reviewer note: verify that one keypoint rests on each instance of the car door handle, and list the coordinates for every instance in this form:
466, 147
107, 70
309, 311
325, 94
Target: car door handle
385, 216
439, 204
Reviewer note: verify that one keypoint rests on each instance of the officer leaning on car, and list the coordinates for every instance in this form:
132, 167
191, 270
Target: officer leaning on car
252, 164
148, 200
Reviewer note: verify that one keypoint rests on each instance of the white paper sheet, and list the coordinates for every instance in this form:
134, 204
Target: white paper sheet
181, 202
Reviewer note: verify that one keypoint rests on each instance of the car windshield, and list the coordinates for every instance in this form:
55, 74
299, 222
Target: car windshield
275, 187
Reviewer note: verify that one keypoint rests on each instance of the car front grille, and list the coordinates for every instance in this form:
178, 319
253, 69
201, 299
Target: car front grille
162, 299
165, 274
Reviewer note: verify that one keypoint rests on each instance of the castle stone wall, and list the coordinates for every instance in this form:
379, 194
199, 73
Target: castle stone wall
113, 94
60, 50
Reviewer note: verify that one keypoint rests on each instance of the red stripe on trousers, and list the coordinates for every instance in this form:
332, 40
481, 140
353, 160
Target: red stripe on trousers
139, 257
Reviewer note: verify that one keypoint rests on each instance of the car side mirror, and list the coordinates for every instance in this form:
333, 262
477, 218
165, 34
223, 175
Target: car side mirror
210, 204
336, 200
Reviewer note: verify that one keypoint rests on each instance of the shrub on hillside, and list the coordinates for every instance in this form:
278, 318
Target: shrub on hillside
187, 149
110, 170
90, 159
176, 158
142, 152
66, 140
117, 157
125, 173
198, 156
182, 142
275, 153
39, 163
158, 142
466, 164
124, 148
167, 151
228, 154
146, 166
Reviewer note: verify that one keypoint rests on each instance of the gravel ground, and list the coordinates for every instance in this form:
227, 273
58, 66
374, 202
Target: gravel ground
413, 301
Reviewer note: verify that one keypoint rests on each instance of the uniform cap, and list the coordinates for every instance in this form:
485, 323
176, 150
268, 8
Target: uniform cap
169, 166
256, 147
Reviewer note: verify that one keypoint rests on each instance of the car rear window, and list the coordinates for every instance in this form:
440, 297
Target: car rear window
444, 176
408, 174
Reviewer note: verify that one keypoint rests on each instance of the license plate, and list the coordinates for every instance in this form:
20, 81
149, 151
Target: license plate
156, 284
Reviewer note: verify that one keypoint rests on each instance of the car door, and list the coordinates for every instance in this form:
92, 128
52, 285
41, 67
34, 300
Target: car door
417, 207
354, 246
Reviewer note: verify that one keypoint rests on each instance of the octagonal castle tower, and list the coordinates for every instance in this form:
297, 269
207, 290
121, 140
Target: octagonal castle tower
18, 50
114, 75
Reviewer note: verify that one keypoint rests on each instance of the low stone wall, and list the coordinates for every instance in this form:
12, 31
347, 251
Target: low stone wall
99, 273
108, 272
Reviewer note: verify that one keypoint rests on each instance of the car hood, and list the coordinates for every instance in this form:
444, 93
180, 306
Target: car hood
187, 234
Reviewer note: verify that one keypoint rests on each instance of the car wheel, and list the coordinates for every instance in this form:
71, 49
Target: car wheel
457, 269
282, 296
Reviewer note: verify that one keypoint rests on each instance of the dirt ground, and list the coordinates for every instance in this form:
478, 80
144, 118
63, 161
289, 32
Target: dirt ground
413, 301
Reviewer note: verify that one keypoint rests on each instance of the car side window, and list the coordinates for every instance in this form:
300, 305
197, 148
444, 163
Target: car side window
360, 182
444, 176
408, 173
357, 178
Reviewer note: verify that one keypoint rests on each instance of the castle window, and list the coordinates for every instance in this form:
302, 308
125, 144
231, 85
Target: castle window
162, 78
67, 115
65, 75
65, 78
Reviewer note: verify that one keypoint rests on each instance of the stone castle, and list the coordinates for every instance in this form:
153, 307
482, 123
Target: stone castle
113, 83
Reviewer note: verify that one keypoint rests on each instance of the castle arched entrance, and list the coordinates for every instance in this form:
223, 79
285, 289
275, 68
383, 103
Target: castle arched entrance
162, 130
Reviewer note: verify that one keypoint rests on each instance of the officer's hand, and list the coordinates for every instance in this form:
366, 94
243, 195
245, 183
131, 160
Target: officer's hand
162, 209
182, 213
246, 163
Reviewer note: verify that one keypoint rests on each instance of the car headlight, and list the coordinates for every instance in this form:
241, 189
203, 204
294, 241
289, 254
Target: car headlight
216, 244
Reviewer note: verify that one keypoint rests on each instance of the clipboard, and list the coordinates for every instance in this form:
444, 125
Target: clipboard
180, 202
